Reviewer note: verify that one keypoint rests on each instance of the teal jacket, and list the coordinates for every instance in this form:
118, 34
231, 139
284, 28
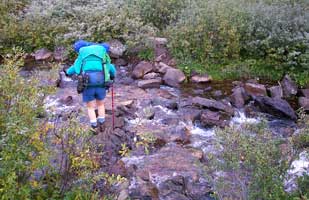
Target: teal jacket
90, 59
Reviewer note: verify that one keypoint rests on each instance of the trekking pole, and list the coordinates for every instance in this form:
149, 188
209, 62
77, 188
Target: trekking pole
113, 114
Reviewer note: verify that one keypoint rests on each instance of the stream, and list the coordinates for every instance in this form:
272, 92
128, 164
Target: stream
174, 141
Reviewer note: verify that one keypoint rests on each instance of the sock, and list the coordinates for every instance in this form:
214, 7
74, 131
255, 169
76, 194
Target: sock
93, 123
101, 120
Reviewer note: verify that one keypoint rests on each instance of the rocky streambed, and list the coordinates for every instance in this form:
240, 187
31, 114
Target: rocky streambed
167, 128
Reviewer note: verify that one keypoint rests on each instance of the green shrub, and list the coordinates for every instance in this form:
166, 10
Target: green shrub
220, 32
160, 13
253, 158
21, 149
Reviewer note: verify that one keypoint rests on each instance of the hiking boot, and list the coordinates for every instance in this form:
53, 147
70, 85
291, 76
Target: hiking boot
94, 130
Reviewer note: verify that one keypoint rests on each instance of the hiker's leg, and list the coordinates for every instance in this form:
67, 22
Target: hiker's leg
91, 112
101, 111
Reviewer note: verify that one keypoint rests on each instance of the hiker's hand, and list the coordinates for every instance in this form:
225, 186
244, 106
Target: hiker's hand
112, 78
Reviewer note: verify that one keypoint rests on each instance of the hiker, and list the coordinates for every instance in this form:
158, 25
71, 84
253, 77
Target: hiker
93, 65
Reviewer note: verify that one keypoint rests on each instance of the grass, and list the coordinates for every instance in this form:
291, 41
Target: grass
246, 69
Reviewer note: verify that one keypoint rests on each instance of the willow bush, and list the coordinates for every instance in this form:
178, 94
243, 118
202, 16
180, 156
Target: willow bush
222, 31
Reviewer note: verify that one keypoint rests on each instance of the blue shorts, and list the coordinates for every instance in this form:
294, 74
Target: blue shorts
95, 93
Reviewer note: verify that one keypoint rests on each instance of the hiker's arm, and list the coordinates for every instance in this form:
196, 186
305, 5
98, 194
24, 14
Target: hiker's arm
75, 68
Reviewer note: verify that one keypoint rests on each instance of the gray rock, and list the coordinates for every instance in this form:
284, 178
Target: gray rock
255, 89
159, 41
209, 119
213, 105
151, 75
173, 77
289, 87
162, 68
276, 107
201, 78
151, 83
237, 98
43, 55
141, 69
117, 49
276, 92
304, 103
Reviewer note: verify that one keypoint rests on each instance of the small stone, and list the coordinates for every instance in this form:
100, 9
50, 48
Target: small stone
151, 83
304, 103
151, 75
141, 69
254, 89
289, 87
201, 78
173, 77
276, 92
117, 49
43, 55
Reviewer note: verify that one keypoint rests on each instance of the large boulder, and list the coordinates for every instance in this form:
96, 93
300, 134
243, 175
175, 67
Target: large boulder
43, 55
304, 103
141, 69
173, 77
255, 89
201, 78
150, 83
289, 87
170, 179
276, 107
117, 49
276, 92
213, 105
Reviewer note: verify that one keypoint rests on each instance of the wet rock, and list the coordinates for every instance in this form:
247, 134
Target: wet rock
289, 87
305, 92
190, 114
121, 62
276, 107
238, 97
304, 103
201, 78
167, 175
209, 119
151, 83
173, 77
152, 75
283, 128
141, 69
276, 92
254, 89
43, 55
117, 49
213, 105
60, 54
